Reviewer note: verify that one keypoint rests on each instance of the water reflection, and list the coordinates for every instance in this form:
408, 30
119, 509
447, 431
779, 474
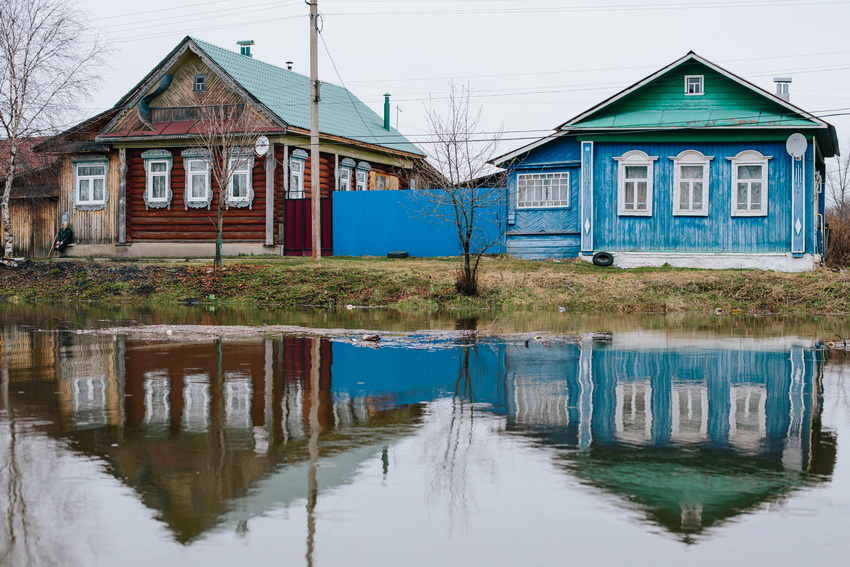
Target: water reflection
213, 435
691, 433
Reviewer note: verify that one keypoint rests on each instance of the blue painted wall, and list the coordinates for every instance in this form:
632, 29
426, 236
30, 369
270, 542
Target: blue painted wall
545, 233
719, 231
372, 223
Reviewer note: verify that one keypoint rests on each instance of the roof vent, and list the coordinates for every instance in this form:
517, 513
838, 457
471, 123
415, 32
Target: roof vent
782, 90
289, 65
245, 46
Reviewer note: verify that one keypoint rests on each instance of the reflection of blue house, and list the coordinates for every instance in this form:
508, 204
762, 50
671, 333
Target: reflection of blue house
692, 433
689, 166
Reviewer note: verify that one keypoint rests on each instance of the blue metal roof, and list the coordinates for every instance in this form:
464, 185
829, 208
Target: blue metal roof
287, 94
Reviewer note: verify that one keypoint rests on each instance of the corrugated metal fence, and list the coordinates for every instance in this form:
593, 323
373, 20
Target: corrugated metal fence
373, 223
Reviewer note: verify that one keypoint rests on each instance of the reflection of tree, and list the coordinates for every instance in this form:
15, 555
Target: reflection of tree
452, 446
30, 497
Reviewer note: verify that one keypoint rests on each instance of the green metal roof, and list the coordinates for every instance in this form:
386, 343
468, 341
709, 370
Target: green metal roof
662, 103
287, 94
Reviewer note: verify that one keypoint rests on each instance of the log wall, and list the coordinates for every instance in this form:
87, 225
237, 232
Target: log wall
182, 223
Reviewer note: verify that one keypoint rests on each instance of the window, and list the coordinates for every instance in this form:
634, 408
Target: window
694, 85
90, 184
296, 174
635, 184
240, 192
361, 176
198, 192
157, 178
537, 190
346, 167
199, 84
384, 181
690, 183
749, 184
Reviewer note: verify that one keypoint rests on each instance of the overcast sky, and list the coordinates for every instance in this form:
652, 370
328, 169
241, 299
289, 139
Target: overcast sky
532, 64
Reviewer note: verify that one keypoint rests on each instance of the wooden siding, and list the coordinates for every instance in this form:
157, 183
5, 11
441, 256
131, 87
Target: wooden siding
717, 232
546, 232
34, 226
181, 223
181, 93
91, 227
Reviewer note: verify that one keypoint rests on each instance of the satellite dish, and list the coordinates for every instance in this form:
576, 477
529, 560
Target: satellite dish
796, 145
262, 146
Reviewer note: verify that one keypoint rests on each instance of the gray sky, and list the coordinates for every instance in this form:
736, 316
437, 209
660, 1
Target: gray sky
532, 64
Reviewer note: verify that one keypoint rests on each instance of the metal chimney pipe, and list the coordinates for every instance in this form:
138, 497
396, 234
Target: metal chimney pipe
782, 87
386, 111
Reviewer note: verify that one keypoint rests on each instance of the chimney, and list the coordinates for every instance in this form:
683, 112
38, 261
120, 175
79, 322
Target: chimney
386, 111
289, 65
245, 46
782, 90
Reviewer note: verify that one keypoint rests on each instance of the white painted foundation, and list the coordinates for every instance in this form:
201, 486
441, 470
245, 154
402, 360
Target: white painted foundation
779, 262
170, 250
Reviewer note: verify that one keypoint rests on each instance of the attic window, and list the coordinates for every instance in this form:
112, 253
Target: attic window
694, 85
200, 83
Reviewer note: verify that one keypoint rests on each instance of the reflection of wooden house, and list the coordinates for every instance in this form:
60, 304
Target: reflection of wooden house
140, 182
717, 428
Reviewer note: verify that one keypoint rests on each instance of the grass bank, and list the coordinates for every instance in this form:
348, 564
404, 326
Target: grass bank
428, 283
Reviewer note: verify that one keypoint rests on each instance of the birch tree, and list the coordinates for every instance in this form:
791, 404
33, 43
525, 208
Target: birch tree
49, 61
226, 135
461, 188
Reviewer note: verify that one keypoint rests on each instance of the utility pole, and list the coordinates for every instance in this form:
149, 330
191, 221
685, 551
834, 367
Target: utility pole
315, 96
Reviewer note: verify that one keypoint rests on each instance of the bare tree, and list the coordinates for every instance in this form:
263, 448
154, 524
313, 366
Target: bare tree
462, 186
838, 211
227, 132
49, 60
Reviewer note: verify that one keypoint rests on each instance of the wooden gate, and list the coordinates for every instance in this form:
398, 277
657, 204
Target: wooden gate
298, 227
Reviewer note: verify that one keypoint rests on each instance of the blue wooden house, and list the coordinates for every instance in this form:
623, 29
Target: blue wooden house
692, 166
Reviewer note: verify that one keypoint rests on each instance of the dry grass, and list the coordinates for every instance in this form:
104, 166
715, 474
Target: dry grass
506, 285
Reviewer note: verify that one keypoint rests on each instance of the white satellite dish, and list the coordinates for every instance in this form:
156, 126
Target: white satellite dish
796, 145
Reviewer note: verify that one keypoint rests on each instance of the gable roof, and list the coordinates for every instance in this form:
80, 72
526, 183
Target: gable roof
285, 95
658, 102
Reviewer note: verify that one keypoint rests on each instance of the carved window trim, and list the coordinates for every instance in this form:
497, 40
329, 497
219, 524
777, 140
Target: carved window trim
191, 156
241, 164
78, 162
151, 157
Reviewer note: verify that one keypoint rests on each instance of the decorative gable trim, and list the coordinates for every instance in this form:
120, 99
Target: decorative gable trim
135, 96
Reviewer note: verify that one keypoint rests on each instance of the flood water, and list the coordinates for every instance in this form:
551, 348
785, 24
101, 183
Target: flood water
706, 441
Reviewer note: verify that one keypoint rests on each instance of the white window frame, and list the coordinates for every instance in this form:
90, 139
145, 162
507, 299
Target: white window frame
199, 83
297, 163
750, 158
152, 157
90, 179
684, 159
698, 81
361, 176
205, 175
242, 165
525, 182
635, 158
346, 175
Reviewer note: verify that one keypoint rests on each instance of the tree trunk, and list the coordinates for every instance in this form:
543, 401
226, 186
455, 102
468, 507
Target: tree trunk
219, 237
7, 193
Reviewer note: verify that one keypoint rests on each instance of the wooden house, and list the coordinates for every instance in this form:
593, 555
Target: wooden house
138, 179
693, 166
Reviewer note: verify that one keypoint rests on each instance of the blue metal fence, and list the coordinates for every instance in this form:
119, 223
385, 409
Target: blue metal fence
373, 223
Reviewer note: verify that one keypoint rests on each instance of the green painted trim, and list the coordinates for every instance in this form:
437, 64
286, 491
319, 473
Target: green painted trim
688, 136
